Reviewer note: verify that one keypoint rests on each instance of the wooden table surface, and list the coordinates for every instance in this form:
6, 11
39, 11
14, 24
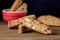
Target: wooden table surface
12, 34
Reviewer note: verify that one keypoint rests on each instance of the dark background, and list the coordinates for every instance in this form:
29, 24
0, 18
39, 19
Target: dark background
38, 7
5, 4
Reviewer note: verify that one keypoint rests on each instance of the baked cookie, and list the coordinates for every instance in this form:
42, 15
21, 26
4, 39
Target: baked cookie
49, 20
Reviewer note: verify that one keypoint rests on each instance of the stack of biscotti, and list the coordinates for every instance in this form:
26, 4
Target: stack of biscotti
18, 6
31, 23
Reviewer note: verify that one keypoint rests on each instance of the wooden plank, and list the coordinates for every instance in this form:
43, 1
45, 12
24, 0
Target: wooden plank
9, 34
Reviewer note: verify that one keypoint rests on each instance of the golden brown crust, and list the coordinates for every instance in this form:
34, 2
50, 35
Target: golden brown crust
13, 23
22, 8
20, 28
49, 20
35, 25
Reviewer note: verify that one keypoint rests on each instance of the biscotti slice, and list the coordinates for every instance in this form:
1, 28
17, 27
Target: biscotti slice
16, 5
27, 18
13, 23
22, 8
49, 20
36, 26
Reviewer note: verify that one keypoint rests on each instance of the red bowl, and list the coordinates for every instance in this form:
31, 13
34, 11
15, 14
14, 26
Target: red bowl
8, 15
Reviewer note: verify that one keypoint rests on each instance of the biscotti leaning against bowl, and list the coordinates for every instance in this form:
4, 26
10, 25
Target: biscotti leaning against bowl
16, 5
11, 15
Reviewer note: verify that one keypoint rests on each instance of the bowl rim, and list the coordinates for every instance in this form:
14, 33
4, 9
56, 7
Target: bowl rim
8, 11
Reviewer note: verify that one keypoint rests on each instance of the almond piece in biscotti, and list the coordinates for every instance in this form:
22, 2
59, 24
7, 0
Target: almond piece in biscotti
16, 5
25, 9
49, 20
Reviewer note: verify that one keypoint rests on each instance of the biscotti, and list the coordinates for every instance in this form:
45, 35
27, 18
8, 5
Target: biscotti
22, 8
20, 28
49, 20
16, 5
13, 23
